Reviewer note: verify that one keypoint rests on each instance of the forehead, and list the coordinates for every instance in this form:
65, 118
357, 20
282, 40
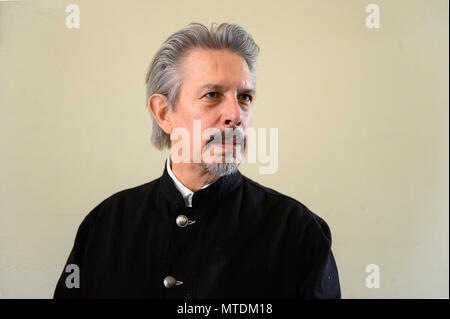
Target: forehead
223, 67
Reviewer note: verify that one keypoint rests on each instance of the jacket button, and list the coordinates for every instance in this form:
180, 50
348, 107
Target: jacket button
182, 220
169, 282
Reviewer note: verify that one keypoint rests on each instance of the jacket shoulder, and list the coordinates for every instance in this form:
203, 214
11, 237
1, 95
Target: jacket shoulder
128, 198
273, 201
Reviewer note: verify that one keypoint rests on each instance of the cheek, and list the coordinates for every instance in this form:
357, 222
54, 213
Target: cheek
248, 120
185, 120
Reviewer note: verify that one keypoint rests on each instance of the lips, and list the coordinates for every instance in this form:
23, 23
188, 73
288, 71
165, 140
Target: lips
229, 144
220, 139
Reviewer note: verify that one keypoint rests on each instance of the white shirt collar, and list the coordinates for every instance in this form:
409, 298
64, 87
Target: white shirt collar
185, 192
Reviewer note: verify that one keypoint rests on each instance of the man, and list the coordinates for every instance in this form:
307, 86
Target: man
202, 230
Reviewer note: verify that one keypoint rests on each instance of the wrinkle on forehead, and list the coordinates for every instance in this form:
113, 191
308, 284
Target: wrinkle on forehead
216, 66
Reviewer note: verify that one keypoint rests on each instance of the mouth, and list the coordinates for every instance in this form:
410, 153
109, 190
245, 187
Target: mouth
230, 144
227, 144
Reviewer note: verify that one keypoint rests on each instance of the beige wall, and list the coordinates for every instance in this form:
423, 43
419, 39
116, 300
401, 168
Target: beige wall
362, 117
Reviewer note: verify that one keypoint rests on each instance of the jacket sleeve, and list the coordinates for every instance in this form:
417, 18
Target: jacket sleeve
321, 279
65, 288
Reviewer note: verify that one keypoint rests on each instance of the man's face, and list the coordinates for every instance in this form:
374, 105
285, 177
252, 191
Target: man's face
217, 91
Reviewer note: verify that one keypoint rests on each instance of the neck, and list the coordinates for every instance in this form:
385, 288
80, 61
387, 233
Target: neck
192, 175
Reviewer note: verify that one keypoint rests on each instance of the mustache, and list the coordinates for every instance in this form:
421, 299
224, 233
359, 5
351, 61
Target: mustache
228, 136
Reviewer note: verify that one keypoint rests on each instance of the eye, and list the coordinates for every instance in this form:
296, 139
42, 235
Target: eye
246, 97
212, 95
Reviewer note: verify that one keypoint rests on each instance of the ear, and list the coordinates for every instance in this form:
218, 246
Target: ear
159, 106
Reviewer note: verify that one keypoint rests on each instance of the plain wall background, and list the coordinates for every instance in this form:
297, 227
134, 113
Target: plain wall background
362, 116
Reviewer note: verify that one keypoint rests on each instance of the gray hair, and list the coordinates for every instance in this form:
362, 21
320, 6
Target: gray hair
163, 77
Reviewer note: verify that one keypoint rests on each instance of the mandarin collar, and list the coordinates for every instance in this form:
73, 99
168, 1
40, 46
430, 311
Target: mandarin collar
204, 196
185, 192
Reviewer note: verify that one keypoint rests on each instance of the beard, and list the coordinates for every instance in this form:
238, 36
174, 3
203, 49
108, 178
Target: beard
221, 169
231, 163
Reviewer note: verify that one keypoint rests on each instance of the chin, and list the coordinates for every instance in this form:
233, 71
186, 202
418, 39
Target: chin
228, 163
221, 169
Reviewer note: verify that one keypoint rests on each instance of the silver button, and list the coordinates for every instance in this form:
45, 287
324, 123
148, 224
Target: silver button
182, 220
170, 281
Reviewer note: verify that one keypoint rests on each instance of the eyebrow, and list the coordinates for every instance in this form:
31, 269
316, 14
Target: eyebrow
218, 87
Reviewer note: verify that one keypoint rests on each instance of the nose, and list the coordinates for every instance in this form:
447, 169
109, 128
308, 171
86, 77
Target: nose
232, 113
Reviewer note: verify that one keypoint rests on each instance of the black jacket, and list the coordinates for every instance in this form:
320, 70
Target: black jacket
247, 241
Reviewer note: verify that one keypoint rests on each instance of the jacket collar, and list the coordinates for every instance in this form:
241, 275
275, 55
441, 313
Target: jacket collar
204, 196
185, 192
